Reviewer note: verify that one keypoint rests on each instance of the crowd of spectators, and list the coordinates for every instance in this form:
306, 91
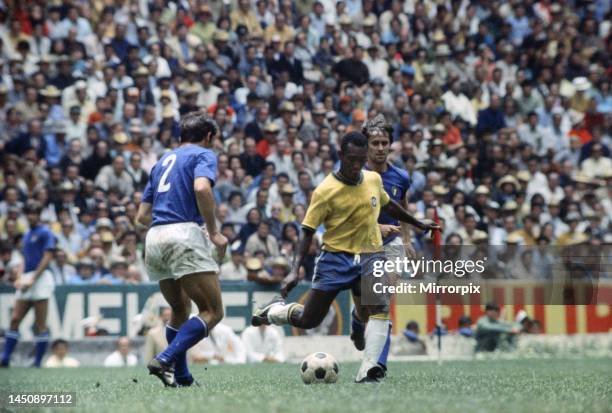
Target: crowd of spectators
501, 112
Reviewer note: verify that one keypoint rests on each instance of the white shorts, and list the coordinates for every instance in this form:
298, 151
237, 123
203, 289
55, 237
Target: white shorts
42, 289
395, 249
175, 250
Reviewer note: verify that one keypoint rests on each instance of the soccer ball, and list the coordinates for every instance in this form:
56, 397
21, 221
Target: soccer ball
319, 368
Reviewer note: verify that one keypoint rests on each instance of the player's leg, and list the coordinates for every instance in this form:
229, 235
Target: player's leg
359, 316
305, 316
333, 273
377, 343
204, 289
20, 310
41, 308
181, 308
378, 328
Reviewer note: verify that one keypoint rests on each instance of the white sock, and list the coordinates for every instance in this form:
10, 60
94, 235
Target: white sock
377, 335
279, 314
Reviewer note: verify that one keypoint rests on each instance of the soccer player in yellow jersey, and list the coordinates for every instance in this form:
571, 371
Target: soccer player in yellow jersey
347, 203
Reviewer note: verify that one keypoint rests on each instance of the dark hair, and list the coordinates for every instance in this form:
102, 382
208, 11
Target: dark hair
358, 139
58, 342
195, 127
412, 325
378, 123
33, 207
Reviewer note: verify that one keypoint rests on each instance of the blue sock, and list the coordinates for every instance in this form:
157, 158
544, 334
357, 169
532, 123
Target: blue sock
192, 331
356, 324
12, 337
181, 371
42, 341
382, 359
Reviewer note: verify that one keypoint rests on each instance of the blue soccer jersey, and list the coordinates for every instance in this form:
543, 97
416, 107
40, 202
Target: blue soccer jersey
170, 187
396, 183
35, 242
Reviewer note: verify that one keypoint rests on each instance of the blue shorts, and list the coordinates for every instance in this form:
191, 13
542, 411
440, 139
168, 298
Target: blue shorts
337, 271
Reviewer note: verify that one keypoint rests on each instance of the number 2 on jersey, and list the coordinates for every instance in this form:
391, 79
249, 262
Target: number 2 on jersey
169, 162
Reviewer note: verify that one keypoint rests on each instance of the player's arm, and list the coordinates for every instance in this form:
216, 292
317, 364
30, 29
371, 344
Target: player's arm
292, 279
206, 205
44, 263
143, 216
398, 212
404, 228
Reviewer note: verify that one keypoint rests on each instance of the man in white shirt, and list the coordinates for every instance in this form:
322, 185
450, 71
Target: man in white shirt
122, 357
60, 357
263, 344
596, 164
224, 346
458, 104
233, 269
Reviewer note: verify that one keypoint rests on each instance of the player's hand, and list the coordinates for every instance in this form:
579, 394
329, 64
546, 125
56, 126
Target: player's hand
428, 225
289, 283
387, 230
26, 283
220, 242
17, 284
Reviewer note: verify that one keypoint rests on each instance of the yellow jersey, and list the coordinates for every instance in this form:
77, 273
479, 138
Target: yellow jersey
349, 213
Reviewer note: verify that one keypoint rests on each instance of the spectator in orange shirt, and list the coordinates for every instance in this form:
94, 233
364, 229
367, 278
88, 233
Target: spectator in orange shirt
452, 138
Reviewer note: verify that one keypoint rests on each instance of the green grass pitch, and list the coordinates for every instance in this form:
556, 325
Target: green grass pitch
534, 385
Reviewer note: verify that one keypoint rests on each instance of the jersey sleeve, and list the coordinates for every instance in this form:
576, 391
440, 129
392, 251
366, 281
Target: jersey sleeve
49, 241
407, 182
384, 197
206, 166
147, 195
317, 211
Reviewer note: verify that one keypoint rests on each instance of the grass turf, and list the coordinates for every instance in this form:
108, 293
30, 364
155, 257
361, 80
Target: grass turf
543, 385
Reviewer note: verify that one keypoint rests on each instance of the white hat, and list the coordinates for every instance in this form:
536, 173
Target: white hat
581, 84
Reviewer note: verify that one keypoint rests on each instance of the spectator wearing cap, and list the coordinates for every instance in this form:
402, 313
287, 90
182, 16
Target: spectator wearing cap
580, 99
264, 146
204, 27
85, 273
255, 270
